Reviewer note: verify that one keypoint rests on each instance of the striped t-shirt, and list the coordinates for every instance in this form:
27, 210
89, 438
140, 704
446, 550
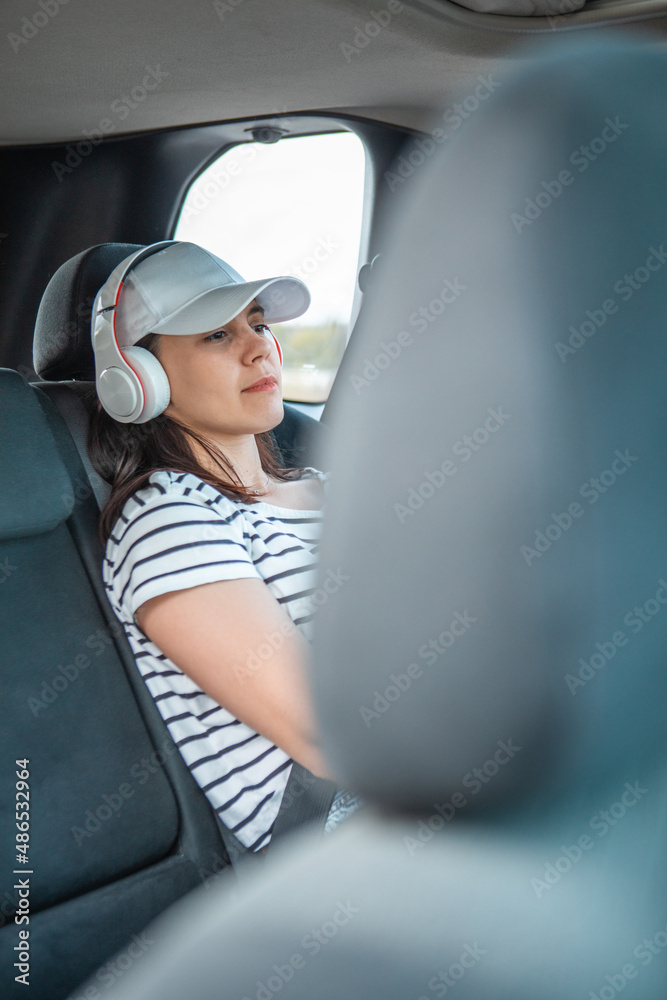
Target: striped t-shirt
180, 532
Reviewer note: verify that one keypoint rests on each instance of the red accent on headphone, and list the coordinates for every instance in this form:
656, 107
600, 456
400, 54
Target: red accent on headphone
280, 353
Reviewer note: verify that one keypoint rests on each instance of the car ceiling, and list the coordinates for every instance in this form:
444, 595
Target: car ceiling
256, 58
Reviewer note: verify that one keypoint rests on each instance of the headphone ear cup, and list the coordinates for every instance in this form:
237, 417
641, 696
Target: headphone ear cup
153, 380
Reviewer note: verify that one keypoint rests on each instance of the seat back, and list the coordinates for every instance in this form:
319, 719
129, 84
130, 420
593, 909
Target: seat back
118, 829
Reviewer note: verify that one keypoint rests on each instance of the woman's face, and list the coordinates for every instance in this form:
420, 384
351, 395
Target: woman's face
210, 374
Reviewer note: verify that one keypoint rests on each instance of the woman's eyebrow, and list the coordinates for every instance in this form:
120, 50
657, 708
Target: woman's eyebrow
256, 309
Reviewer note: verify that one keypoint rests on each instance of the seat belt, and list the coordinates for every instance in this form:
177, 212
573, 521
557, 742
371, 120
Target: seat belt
306, 801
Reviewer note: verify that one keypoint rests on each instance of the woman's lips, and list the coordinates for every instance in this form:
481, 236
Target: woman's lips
263, 385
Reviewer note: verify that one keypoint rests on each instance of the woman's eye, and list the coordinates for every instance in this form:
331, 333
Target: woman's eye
263, 327
218, 335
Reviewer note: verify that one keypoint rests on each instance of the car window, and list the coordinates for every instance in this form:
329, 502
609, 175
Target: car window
290, 207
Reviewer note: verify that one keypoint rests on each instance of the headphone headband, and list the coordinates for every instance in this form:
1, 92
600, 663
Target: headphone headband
110, 290
119, 385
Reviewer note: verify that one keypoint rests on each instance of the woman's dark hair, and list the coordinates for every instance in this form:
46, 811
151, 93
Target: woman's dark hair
125, 455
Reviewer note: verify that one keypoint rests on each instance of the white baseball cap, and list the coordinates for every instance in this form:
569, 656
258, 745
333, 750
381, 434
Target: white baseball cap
184, 289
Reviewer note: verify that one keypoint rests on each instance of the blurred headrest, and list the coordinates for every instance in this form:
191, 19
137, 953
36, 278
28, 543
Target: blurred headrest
62, 347
497, 510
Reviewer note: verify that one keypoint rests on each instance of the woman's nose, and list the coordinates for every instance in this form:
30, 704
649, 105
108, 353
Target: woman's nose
258, 342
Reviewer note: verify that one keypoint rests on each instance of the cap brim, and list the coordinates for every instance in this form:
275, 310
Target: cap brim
281, 298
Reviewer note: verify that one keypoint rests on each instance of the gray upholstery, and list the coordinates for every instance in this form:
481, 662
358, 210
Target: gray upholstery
518, 782
523, 8
494, 349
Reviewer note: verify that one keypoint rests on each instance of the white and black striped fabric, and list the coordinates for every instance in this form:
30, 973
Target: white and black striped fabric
180, 532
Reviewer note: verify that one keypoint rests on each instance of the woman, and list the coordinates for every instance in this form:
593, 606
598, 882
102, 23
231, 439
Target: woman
210, 544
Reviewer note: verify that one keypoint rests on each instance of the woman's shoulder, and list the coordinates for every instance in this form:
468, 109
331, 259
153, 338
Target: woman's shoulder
170, 496
165, 482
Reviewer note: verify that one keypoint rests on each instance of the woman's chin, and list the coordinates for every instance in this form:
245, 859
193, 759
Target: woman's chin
270, 414
276, 418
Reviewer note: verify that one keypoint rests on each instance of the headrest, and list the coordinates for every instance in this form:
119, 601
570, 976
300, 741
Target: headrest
523, 8
62, 347
497, 517
36, 488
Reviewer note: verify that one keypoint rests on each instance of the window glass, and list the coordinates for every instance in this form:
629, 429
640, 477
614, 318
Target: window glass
290, 207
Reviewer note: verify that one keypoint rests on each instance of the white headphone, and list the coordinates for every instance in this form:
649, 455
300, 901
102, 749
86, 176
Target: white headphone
132, 385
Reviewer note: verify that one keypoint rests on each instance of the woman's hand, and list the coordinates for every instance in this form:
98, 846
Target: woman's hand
213, 632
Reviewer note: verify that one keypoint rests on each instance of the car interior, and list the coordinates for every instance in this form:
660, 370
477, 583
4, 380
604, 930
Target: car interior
502, 370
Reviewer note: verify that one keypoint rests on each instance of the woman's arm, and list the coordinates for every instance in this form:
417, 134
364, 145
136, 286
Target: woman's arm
214, 632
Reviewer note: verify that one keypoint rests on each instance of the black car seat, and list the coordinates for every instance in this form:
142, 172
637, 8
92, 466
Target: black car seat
118, 827
490, 674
